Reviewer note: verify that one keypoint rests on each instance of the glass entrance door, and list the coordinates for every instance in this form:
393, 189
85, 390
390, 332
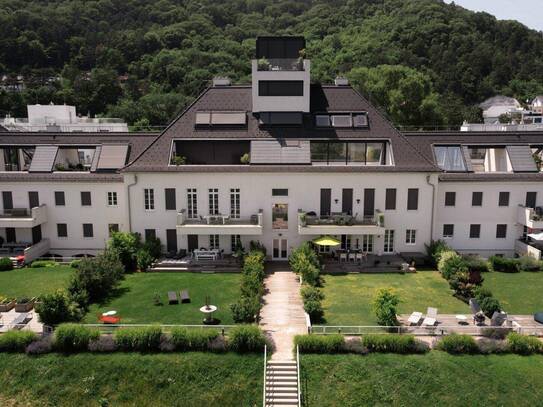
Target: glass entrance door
279, 247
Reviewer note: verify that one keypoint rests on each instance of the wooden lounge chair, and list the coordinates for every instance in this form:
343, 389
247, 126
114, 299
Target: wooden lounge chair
21, 320
184, 295
431, 317
172, 297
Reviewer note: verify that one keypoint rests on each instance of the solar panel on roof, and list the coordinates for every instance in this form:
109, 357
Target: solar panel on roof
112, 157
360, 120
228, 118
341, 121
322, 120
43, 159
203, 118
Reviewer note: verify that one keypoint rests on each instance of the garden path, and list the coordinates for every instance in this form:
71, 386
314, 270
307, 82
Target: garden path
282, 316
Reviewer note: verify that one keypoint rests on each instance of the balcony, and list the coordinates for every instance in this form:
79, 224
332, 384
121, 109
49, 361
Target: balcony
529, 217
281, 64
219, 225
23, 218
523, 248
341, 224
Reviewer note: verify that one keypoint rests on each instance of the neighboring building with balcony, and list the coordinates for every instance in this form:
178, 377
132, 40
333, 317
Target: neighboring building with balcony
280, 161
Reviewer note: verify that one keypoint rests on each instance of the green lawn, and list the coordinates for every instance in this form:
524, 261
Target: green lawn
31, 282
349, 297
131, 379
435, 379
134, 300
518, 293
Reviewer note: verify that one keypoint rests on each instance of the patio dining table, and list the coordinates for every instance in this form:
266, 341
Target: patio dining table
206, 254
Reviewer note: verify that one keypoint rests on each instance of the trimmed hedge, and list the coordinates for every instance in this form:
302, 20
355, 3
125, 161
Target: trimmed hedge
384, 343
16, 341
184, 339
6, 264
247, 307
504, 264
320, 343
524, 345
458, 344
74, 338
246, 338
145, 339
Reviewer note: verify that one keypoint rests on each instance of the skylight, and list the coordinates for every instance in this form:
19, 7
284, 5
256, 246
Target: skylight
218, 118
450, 158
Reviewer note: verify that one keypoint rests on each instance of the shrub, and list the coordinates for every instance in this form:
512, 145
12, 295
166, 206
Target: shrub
320, 343
246, 309
184, 339
256, 246
450, 264
74, 338
488, 346
390, 343
75, 264
126, 245
503, 264
528, 263
489, 305
56, 308
458, 344
153, 247
43, 263
245, 159
103, 344
16, 341
435, 249
310, 293
143, 339
495, 332
314, 309
40, 347
144, 259
524, 345
246, 338
481, 293
384, 306
354, 345
6, 264
460, 283
308, 271
251, 286
477, 264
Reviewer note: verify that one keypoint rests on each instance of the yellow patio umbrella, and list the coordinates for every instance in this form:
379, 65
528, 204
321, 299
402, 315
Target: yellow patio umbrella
326, 241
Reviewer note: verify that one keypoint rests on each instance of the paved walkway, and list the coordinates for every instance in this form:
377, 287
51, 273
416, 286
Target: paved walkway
282, 316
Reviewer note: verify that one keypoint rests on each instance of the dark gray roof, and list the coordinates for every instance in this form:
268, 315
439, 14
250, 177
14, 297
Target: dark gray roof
239, 98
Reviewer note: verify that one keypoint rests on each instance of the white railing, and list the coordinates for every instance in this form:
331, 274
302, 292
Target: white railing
438, 330
109, 328
264, 384
298, 375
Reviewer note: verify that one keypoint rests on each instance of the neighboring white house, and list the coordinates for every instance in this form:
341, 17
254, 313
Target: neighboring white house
61, 118
495, 106
537, 104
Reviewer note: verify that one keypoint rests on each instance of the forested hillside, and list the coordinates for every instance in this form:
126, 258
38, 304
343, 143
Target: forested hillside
422, 61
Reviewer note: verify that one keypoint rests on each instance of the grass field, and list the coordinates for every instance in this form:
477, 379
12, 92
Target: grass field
124, 379
349, 297
435, 379
518, 293
134, 300
31, 282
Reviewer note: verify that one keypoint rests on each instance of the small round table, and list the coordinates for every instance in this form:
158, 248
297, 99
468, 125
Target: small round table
208, 311
462, 319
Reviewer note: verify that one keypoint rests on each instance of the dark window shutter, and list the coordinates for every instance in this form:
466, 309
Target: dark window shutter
86, 198
8, 199
171, 240
62, 230
531, 198
504, 199
450, 198
390, 199
412, 199
369, 202
170, 199
60, 199
474, 231
501, 231
88, 230
448, 230
33, 199
477, 199
326, 201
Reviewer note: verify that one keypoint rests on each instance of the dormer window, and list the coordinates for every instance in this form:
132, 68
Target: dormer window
342, 120
16, 158
322, 120
220, 118
360, 120
280, 119
450, 158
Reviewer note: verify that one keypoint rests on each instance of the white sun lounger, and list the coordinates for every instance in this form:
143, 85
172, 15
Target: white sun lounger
414, 318
431, 317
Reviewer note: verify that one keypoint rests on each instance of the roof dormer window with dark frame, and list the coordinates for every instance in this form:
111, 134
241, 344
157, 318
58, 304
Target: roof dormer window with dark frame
280, 88
341, 120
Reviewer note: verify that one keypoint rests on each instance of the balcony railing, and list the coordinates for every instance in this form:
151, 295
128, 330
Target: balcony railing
23, 217
220, 224
532, 218
281, 64
340, 223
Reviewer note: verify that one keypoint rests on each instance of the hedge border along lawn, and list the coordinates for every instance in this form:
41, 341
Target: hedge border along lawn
433, 379
192, 379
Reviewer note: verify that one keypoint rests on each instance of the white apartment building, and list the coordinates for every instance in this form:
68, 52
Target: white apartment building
280, 161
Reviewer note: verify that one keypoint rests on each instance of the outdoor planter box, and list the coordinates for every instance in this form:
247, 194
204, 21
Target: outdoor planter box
25, 307
8, 306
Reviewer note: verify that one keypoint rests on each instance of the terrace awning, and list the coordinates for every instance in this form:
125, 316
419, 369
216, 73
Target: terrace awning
326, 241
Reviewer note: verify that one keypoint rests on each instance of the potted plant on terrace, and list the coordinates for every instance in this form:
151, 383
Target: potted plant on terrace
179, 160
263, 64
24, 304
6, 304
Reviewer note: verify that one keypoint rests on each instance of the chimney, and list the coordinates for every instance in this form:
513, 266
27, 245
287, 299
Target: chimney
221, 81
341, 81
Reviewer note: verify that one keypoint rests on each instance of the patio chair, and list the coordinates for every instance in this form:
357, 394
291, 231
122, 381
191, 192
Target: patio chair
538, 317
431, 317
498, 318
172, 297
478, 315
414, 318
184, 295
21, 320
342, 257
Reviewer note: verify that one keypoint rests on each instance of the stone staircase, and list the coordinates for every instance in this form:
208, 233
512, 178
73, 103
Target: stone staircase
282, 383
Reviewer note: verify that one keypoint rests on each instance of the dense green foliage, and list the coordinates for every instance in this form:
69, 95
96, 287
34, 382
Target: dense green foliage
458, 344
247, 308
424, 61
74, 338
16, 341
392, 343
384, 306
184, 339
524, 345
246, 338
57, 307
320, 343
141, 339
6, 264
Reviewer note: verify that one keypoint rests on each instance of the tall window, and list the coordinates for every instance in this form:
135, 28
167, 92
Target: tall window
390, 199
112, 199
112, 228
345, 242
474, 231
234, 203
88, 230
410, 236
389, 241
503, 199
412, 199
280, 216
235, 242
501, 231
450, 198
213, 201
450, 158
477, 199
367, 243
86, 198
192, 203
213, 242
448, 230
60, 198
149, 199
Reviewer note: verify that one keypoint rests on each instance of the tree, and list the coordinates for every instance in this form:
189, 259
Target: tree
384, 306
126, 246
57, 308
